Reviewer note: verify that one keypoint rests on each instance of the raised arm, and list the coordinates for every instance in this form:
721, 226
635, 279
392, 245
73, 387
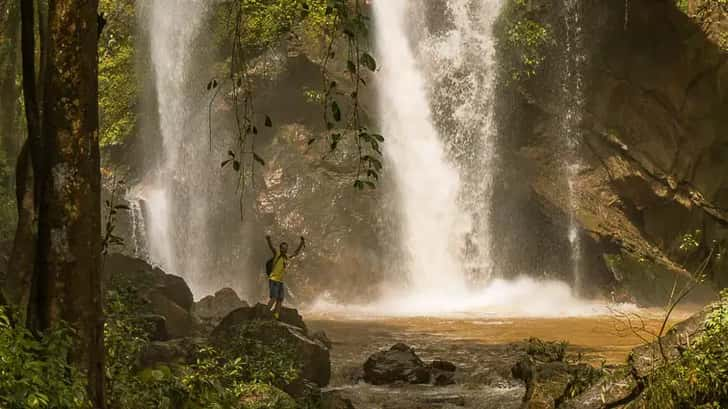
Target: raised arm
270, 245
300, 247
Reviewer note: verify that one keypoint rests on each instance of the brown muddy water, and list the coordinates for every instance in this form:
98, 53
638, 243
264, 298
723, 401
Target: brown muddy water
483, 349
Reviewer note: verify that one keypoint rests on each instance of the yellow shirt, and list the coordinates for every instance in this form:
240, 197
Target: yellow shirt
279, 267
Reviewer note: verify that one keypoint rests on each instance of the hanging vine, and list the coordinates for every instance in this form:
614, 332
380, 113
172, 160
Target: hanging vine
351, 23
339, 20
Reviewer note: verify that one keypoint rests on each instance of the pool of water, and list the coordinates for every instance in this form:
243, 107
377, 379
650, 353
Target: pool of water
482, 347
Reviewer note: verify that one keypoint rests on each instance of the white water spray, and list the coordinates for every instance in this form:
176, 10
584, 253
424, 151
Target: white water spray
174, 205
574, 100
427, 183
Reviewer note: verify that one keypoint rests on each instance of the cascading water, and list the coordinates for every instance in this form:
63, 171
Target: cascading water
175, 205
436, 109
427, 183
460, 68
574, 100
436, 94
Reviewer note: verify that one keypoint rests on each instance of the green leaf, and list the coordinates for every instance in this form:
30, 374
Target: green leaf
368, 61
336, 111
236, 166
224, 163
268, 121
311, 141
358, 184
378, 137
351, 67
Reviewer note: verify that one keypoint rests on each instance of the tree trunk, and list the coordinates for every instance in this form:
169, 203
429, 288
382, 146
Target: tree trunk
9, 21
70, 207
29, 173
22, 259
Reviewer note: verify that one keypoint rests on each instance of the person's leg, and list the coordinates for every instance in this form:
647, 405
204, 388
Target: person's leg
279, 301
271, 295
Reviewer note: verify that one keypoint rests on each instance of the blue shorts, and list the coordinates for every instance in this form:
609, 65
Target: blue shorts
276, 290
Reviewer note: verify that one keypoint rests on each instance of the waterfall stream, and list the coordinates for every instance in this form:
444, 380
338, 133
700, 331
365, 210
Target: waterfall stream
173, 192
435, 96
574, 105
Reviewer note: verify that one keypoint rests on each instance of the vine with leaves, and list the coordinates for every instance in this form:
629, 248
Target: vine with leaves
342, 19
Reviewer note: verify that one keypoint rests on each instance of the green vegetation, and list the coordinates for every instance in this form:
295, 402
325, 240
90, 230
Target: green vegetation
699, 378
243, 370
117, 72
33, 372
239, 374
521, 40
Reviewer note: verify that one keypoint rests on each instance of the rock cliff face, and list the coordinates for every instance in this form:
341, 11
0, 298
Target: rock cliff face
646, 90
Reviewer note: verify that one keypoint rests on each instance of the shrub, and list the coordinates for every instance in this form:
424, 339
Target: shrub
34, 372
700, 377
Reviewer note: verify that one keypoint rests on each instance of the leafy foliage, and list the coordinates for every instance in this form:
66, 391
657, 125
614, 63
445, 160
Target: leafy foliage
700, 377
34, 372
117, 72
521, 40
239, 373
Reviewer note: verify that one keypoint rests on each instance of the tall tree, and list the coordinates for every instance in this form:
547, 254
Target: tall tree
70, 208
64, 159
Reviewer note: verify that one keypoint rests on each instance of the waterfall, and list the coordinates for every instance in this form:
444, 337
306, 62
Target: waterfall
173, 192
572, 88
435, 94
138, 230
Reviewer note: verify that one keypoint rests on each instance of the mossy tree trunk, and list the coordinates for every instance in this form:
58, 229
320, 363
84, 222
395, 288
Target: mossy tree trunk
70, 208
63, 157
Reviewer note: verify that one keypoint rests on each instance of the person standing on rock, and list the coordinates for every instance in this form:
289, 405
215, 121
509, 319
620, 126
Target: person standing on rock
276, 269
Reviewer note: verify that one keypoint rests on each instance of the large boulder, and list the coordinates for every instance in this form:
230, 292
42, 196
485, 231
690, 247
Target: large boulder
179, 322
214, 308
176, 289
164, 297
313, 354
399, 364
549, 378
259, 311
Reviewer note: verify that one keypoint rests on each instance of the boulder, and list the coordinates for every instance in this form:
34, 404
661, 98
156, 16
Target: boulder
175, 288
161, 294
550, 384
321, 336
313, 354
215, 307
289, 316
442, 373
178, 321
398, 364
